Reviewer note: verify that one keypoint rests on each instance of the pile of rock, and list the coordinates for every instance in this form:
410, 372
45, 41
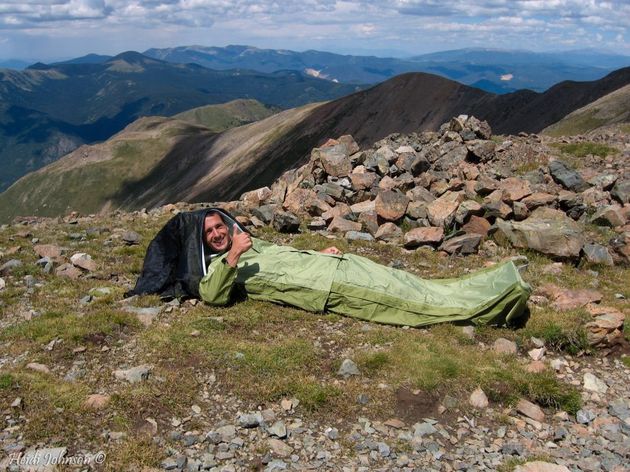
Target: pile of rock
448, 190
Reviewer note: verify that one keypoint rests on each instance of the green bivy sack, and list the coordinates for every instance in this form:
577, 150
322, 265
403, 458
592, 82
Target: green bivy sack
355, 286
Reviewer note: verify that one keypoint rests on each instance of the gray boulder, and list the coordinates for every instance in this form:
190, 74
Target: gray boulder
567, 177
546, 230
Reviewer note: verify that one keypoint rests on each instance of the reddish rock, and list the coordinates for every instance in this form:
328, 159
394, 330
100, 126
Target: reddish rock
387, 183
520, 211
477, 225
417, 210
514, 189
538, 199
388, 232
536, 367
530, 410
441, 212
83, 261
420, 194
465, 244
563, 299
96, 401
367, 205
340, 209
369, 220
610, 215
334, 159
541, 466
440, 187
419, 236
390, 205
341, 225
298, 200
48, 250
68, 270
363, 181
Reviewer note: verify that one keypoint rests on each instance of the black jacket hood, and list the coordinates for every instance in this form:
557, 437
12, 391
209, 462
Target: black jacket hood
177, 258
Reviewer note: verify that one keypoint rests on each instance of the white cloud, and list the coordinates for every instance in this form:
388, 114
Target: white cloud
413, 25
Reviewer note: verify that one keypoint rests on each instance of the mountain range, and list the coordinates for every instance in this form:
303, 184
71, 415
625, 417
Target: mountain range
159, 160
492, 70
47, 111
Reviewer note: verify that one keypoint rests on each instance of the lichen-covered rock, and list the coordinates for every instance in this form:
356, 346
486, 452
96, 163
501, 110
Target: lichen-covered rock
546, 230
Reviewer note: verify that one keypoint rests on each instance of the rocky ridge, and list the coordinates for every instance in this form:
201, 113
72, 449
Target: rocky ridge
222, 432
458, 191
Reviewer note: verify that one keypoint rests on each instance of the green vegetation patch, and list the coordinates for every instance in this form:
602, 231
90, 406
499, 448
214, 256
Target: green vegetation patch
585, 149
71, 327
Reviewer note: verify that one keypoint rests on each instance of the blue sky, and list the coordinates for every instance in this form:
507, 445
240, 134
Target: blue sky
56, 29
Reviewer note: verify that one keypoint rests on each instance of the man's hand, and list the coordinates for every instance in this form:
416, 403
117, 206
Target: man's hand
241, 243
331, 250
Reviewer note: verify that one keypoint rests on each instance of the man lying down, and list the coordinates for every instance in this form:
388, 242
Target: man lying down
350, 285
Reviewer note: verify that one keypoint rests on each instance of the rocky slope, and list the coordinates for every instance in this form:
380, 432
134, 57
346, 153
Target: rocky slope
223, 166
182, 386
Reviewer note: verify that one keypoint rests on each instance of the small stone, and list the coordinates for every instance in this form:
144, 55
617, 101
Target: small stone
37, 367
278, 429
83, 261
279, 448
332, 433
3, 284
68, 270
8, 266
96, 401
594, 384
226, 433
17, 403
537, 354
536, 367
478, 399
286, 404
584, 416
348, 368
423, 429
530, 410
469, 332
504, 346
131, 238
250, 420
134, 374
394, 423
540, 466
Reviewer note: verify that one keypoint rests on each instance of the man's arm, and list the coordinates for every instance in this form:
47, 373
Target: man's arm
216, 286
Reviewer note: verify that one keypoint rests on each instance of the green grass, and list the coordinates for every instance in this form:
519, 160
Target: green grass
586, 148
6, 381
580, 124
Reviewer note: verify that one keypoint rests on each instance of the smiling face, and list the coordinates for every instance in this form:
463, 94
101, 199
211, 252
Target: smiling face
216, 233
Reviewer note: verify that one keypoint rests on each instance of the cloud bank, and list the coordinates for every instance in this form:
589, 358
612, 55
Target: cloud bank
72, 27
